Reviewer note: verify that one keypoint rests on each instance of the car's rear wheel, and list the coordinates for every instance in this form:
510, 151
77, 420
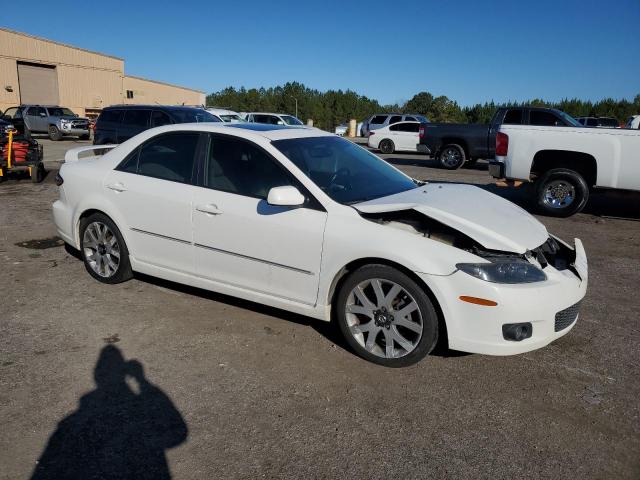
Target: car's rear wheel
451, 157
386, 317
561, 192
104, 252
54, 133
386, 146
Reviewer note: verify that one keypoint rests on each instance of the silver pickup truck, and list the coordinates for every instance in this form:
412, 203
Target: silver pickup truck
51, 119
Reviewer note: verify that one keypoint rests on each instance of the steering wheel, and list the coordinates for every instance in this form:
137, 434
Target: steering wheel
341, 172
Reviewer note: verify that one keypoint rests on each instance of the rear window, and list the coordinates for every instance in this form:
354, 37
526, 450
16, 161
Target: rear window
194, 116
110, 116
378, 119
136, 118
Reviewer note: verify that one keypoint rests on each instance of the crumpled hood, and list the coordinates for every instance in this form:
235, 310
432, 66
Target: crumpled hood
493, 222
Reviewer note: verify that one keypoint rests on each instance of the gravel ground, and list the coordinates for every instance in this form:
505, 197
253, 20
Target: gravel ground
224, 388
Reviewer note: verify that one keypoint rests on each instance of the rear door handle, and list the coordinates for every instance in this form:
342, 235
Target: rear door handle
210, 209
116, 187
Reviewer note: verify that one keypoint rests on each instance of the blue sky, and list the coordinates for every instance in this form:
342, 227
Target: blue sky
471, 51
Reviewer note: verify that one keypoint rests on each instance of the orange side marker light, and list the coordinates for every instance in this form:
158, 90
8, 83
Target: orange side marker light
478, 301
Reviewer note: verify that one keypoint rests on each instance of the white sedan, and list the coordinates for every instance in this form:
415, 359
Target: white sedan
309, 222
400, 137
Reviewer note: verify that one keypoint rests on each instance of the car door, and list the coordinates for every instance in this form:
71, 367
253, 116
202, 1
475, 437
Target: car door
152, 190
241, 240
32, 119
409, 134
133, 122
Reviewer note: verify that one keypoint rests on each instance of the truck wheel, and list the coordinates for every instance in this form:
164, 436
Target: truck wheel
561, 192
54, 133
452, 156
386, 146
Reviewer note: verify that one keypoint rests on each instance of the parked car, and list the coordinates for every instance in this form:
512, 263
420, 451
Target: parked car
633, 122
121, 122
401, 136
566, 163
273, 118
600, 122
224, 115
57, 121
384, 119
312, 223
453, 144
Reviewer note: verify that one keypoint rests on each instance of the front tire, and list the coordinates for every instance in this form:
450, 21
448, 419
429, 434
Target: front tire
103, 250
561, 192
54, 133
386, 317
451, 156
386, 146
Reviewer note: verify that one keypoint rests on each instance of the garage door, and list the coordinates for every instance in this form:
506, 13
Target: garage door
38, 84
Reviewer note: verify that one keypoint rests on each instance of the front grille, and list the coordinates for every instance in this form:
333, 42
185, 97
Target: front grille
566, 317
80, 124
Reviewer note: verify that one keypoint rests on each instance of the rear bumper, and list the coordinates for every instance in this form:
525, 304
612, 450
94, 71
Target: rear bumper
423, 149
496, 169
63, 218
551, 307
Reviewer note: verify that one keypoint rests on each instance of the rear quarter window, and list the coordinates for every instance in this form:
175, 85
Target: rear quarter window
378, 119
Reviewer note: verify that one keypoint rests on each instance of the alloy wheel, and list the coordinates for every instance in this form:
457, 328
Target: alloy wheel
559, 194
451, 157
384, 318
101, 249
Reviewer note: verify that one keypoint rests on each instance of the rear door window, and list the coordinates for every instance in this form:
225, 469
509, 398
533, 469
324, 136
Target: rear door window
395, 119
513, 117
110, 116
136, 118
409, 119
409, 127
542, 118
378, 119
159, 118
169, 157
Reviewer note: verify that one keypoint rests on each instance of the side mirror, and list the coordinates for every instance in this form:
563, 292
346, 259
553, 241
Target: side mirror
288, 196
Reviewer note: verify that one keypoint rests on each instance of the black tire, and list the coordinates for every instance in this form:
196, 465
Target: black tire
54, 133
85, 137
386, 146
561, 192
451, 156
123, 271
37, 172
426, 311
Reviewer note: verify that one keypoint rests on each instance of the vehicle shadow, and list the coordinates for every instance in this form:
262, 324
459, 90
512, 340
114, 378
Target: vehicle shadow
430, 162
117, 431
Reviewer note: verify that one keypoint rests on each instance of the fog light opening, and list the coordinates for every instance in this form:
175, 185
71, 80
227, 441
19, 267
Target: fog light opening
517, 332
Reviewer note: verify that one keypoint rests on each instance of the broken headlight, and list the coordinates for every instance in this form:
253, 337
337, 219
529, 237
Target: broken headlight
504, 272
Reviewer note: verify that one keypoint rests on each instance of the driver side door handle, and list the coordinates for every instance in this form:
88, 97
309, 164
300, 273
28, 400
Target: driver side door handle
116, 187
209, 209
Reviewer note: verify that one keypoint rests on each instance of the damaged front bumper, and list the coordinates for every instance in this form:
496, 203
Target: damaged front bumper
551, 307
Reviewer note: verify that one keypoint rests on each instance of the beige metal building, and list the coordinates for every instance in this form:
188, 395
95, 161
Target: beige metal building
36, 70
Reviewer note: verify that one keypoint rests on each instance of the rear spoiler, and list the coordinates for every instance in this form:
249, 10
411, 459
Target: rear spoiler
73, 155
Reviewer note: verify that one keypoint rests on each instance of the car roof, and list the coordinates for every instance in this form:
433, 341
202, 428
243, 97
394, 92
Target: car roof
249, 130
157, 107
268, 113
220, 111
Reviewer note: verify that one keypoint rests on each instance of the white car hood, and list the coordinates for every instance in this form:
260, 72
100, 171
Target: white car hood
490, 220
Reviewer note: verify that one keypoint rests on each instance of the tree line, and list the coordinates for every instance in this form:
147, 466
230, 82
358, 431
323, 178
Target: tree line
333, 107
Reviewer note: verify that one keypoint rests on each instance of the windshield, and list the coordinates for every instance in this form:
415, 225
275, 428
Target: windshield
60, 112
344, 171
231, 118
291, 120
13, 112
569, 119
194, 116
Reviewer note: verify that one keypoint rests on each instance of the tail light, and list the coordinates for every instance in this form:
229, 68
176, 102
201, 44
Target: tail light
421, 134
502, 144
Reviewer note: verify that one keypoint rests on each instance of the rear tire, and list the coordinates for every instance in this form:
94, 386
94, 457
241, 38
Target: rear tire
561, 192
370, 316
54, 133
103, 250
386, 146
451, 156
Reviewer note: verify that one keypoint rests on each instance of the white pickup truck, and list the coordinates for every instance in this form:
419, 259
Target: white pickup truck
567, 162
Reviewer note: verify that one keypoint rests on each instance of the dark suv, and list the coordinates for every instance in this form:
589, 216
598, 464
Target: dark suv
119, 123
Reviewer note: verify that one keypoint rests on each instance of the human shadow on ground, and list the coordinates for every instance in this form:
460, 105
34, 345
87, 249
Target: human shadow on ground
118, 432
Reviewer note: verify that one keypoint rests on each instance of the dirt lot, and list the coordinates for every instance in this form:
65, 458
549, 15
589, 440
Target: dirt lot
230, 389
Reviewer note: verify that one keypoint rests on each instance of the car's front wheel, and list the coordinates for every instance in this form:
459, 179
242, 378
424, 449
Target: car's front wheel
104, 252
386, 317
54, 133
